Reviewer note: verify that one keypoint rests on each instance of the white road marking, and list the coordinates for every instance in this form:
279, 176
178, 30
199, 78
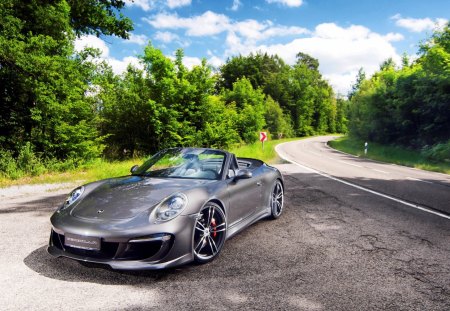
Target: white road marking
351, 164
380, 171
424, 209
416, 179
316, 154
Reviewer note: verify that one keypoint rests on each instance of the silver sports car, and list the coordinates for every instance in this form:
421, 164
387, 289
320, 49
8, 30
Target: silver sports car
180, 206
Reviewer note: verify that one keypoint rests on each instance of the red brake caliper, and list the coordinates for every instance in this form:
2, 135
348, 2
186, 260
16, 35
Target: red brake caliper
214, 227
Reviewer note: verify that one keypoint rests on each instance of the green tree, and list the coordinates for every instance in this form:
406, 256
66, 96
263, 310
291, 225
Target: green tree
409, 106
304, 89
179, 95
299, 90
99, 17
130, 118
250, 107
44, 84
257, 68
220, 124
360, 77
341, 115
277, 121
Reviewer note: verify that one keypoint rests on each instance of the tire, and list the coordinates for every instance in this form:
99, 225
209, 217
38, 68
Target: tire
277, 200
210, 231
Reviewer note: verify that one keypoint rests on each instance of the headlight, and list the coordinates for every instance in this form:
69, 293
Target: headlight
169, 208
73, 196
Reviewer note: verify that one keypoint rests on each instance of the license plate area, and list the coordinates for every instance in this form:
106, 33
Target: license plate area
82, 242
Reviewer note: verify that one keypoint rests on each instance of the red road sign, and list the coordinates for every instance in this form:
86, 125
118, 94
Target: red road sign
262, 136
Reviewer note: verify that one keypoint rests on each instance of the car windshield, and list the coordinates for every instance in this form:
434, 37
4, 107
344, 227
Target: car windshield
184, 163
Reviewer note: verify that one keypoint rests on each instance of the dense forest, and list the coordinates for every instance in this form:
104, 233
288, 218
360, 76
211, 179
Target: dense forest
407, 105
60, 109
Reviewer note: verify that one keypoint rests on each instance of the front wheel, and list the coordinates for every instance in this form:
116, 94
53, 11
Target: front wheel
277, 200
209, 233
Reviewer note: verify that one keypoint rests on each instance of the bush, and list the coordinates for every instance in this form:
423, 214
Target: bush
54, 165
438, 152
8, 165
28, 162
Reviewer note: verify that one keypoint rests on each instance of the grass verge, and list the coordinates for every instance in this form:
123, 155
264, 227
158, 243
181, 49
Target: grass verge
256, 151
101, 169
98, 169
390, 154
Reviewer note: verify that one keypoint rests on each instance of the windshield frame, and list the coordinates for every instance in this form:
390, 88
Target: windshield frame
144, 170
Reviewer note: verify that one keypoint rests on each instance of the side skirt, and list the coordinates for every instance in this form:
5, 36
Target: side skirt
246, 222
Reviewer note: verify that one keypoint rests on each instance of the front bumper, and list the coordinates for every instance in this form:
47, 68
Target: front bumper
154, 247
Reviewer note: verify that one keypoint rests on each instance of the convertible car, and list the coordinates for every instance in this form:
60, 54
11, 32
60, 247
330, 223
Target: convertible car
180, 206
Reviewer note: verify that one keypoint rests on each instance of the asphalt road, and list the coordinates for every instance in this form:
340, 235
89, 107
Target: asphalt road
335, 247
426, 189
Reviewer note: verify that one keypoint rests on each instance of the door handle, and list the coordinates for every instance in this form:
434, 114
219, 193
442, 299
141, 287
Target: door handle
259, 183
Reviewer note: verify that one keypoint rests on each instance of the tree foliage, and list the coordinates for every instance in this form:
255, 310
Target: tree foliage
408, 106
99, 17
299, 90
44, 84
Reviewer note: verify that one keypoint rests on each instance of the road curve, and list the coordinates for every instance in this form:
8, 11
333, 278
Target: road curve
423, 188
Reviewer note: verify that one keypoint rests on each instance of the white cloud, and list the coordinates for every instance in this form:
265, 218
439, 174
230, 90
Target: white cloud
394, 37
118, 66
215, 61
281, 31
210, 23
166, 36
207, 24
342, 82
340, 51
236, 5
178, 3
249, 28
145, 5
419, 24
289, 3
235, 45
148, 5
333, 31
190, 62
138, 39
254, 30
92, 41
170, 37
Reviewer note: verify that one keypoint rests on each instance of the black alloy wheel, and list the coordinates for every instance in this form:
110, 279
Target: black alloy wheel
209, 233
277, 200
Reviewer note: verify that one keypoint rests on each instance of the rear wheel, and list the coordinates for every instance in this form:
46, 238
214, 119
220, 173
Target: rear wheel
209, 233
277, 200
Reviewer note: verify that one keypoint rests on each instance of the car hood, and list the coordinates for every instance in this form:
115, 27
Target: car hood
126, 197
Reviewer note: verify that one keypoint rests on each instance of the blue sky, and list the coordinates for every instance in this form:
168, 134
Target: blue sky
344, 35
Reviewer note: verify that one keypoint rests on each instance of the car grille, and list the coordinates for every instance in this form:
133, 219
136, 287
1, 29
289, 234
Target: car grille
116, 250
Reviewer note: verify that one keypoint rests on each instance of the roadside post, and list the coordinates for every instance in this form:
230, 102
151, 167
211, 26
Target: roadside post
262, 138
366, 146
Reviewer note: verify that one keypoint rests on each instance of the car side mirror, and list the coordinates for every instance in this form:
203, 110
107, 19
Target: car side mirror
244, 174
134, 168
